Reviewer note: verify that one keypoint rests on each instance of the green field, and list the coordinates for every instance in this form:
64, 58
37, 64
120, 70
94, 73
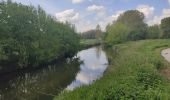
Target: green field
89, 42
133, 74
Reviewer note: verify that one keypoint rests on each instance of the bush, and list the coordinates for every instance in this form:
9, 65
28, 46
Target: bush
129, 26
134, 21
165, 27
31, 37
116, 33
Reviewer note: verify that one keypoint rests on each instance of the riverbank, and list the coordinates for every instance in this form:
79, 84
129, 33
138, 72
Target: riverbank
134, 73
33, 45
87, 43
11, 67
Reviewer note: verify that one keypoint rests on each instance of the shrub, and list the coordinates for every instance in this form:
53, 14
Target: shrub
31, 37
117, 33
165, 27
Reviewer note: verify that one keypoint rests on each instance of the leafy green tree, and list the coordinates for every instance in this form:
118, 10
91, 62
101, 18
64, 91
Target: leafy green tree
129, 26
31, 37
134, 20
90, 34
165, 27
116, 33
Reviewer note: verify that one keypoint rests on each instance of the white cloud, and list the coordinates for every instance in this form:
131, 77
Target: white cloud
95, 8
77, 1
85, 25
68, 15
149, 12
169, 1
103, 21
118, 13
146, 9
99, 10
157, 19
109, 19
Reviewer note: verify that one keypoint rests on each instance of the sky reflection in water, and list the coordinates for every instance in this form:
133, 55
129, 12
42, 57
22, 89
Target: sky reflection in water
95, 63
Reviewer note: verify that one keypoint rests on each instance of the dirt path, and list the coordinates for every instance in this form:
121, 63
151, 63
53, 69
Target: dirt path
166, 54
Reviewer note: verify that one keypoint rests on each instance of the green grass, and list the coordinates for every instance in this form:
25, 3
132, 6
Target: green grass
89, 42
133, 74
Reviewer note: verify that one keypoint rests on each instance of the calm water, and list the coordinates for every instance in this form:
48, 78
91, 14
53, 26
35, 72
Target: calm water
45, 83
95, 63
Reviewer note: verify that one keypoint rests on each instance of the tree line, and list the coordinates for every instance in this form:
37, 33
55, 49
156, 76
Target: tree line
93, 33
30, 37
130, 26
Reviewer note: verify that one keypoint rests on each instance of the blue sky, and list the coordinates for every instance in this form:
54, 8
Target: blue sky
86, 14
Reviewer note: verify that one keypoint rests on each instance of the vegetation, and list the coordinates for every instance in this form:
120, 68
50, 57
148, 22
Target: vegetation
134, 21
134, 70
153, 32
118, 33
92, 37
98, 32
90, 34
30, 37
133, 73
93, 34
89, 42
165, 27
129, 26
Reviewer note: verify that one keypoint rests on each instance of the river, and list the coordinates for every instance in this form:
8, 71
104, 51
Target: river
45, 83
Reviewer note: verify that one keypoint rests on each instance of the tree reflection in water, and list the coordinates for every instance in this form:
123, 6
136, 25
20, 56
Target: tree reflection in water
44, 84
41, 84
95, 63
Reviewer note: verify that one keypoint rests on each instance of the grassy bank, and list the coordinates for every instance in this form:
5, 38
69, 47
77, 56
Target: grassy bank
89, 42
133, 73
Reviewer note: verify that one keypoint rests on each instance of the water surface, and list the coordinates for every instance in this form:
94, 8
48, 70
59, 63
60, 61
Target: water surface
47, 82
95, 63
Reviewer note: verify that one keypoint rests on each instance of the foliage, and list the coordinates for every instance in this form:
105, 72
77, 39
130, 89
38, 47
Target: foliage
133, 74
148, 78
153, 32
31, 37
98, 32
165, 27
129, 26
89, 42
118, 33
90, 34
93, 33
134, 20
